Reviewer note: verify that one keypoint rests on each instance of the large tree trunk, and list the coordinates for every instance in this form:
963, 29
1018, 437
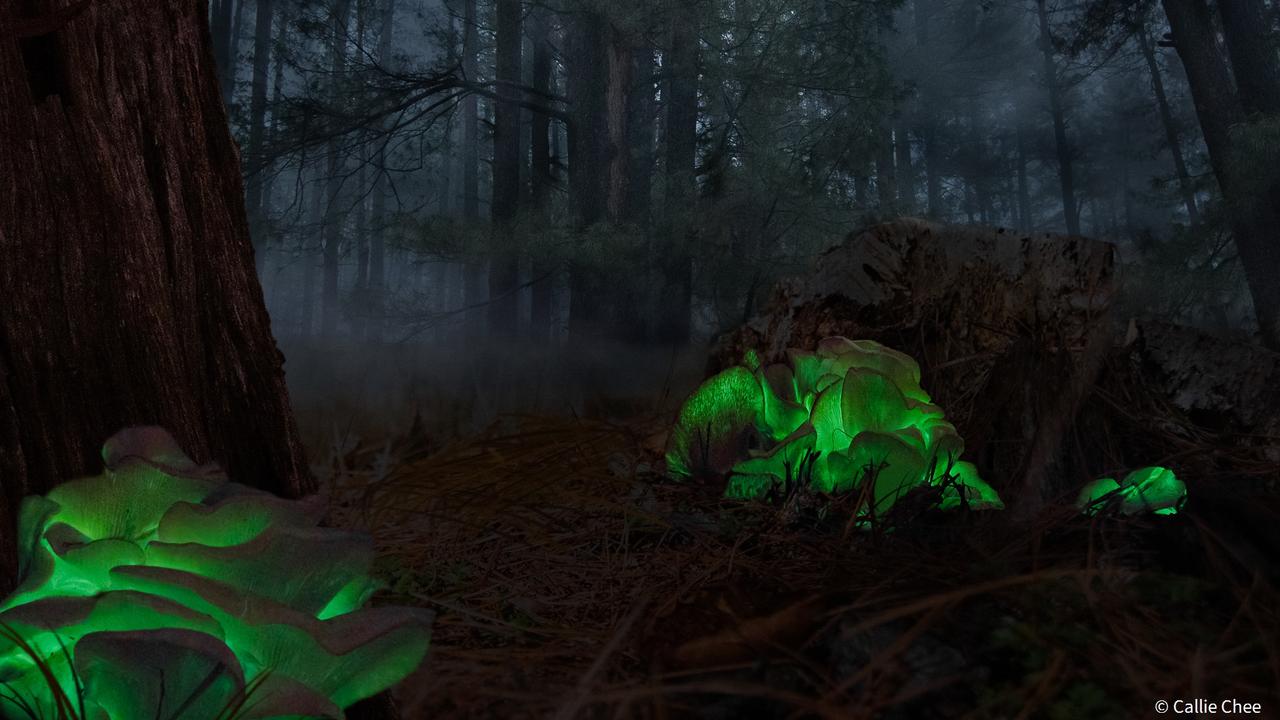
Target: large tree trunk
1251, 43
1252, 47
504, 264
130, 293
1253, 219
1066, 177
1170, 127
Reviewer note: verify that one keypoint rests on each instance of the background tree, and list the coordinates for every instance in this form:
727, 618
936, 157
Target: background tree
671, 160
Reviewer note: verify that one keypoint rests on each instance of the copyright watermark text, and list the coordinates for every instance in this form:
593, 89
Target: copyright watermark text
1202, 706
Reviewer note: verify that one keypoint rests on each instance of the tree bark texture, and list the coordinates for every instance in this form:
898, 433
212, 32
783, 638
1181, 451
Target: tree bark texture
1253, 55
1170, 127
1253, 220
129, 285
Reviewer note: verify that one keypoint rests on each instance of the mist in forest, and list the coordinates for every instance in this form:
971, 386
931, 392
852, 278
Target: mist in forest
477, 207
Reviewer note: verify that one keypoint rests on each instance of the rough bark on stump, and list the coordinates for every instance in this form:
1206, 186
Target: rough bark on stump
1010, 330
1192, 389
1208, 408
129, 293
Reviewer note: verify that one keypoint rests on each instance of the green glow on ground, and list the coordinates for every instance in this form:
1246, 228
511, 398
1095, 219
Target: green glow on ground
850, 413
165, 589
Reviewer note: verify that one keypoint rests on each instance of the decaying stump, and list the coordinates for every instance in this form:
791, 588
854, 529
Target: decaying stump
1010, 331
1015, 339
1184, 397
1208, 408
1231, 388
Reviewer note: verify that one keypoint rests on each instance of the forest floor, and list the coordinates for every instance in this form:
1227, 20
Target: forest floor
570, 578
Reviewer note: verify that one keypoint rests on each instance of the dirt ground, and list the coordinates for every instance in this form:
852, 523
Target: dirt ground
572, 579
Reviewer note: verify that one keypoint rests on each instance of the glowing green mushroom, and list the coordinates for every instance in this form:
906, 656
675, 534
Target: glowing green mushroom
160, 589
716, 424
829, 420
1150, 489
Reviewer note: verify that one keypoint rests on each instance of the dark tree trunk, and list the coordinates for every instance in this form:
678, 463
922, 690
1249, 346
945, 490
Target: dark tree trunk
130, 293
334, 214
932, 168
474, 272
1253, 219
223, 41
504, 263
886, 175
681, 138
541, 180
277, 94
906, 172
1024, 187
587, 59
1251, 43
617, 100
310, 256
641, 112
1170, 127
928, 117
378, 239
1066, 177
470, 115
360, 292
255, 159
1252, 47
237, 32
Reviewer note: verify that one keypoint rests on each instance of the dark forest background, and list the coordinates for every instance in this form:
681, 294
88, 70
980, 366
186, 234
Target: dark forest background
430, 178
497, 241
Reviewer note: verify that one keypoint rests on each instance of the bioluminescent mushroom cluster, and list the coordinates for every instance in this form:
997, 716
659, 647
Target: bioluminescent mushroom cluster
161, 590
835, 420
1146, 490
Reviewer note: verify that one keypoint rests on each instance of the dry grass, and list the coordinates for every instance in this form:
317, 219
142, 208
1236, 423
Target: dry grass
572, 580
